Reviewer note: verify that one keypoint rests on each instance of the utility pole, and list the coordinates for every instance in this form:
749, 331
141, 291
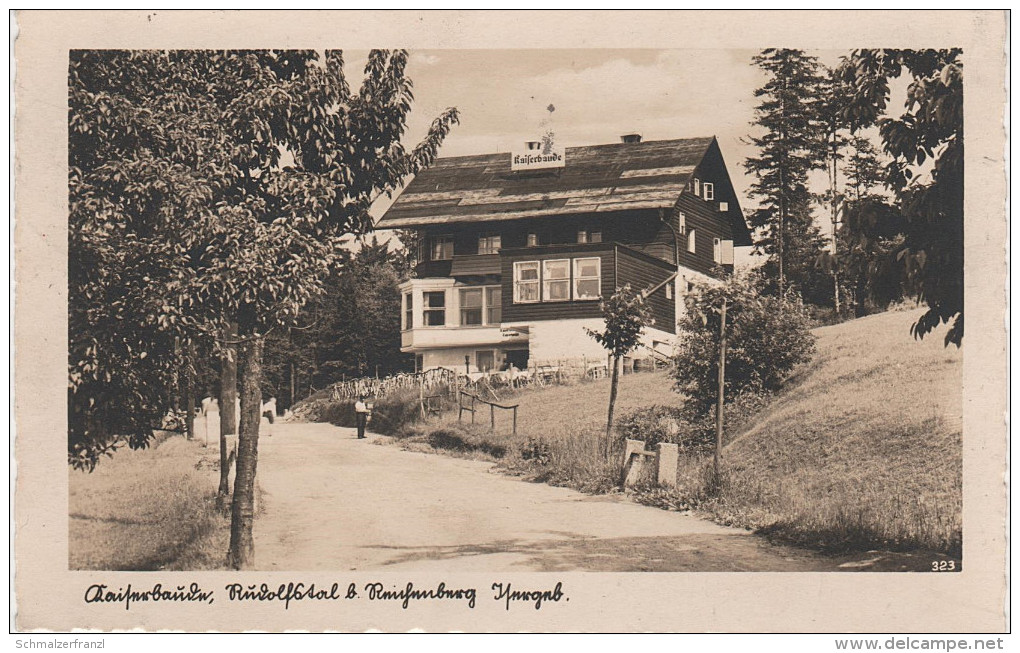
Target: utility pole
722, 387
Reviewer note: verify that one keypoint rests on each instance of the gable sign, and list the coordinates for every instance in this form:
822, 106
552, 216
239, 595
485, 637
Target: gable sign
552, 157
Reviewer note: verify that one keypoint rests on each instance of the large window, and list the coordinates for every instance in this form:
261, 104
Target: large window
471, 306
441, 248
493, 305
526, 284
587, 278
434, 311
408, 310
556, 280
489, 244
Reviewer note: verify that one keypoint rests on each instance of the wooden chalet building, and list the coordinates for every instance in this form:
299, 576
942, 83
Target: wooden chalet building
515, 261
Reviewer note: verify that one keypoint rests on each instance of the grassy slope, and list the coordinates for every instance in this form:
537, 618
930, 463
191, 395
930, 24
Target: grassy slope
567, 409
864, 449
142, 510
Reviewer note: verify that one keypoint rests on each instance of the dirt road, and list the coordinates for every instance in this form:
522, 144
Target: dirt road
332, 502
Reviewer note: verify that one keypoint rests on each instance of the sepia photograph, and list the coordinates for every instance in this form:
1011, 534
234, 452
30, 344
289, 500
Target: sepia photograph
396, 315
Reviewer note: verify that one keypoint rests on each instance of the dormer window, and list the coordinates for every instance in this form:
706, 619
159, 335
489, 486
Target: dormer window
588, 236
709, 190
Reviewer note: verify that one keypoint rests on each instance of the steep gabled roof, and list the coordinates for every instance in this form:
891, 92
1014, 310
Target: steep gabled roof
595, 179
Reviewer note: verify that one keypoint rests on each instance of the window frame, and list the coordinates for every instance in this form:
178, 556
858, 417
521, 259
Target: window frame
408, 311
576, 277
490, 250
486, 299
708, 189
692, 242
537, 281
531, 240
682, 221
724, 207
427, 309
547, 281
432, 247
586, 236
717, 250
480, 307
696, 186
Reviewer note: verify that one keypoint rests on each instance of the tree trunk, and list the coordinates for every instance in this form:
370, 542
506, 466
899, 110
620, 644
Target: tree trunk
228, 399
189, 392
242, 511
834, 189
292, 394
612, 404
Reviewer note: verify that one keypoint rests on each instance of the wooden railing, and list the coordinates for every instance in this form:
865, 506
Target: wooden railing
472, 408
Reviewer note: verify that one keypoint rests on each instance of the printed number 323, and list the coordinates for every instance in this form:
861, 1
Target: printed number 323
943, 565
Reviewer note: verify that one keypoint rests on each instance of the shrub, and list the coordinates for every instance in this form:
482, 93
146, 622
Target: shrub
767, 337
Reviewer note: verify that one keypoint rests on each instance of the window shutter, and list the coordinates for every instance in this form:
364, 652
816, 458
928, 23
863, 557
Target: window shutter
727, 252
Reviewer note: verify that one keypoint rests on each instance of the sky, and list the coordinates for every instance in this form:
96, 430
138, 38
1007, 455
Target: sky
598, 94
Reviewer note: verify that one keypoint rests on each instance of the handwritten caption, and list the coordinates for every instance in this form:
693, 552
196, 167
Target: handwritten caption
290, 594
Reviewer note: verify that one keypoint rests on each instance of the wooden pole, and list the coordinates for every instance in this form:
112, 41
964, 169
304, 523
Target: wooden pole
515, 420
492, 417
722, 387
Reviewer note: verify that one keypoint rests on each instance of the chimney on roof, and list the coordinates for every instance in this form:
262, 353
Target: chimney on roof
630, 138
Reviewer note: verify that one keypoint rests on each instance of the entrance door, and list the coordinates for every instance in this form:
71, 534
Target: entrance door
485, 360
518, 358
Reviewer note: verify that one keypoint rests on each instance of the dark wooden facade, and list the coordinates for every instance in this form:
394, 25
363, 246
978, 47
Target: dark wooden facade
626, 195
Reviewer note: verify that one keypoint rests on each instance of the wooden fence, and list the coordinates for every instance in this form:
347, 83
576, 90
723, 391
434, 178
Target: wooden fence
424, 381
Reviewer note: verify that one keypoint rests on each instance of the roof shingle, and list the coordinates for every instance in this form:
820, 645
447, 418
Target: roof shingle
597, 178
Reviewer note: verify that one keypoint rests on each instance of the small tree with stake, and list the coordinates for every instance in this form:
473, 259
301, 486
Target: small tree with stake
625, 314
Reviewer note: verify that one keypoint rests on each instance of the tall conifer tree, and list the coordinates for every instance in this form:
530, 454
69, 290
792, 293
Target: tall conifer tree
790, 146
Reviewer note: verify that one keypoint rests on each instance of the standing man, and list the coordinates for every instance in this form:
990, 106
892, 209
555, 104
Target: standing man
269, 412
362, 411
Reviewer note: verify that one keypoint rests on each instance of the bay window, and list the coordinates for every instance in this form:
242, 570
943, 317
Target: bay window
471, 306
556, 280
434, 309
587, 278
493, 305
